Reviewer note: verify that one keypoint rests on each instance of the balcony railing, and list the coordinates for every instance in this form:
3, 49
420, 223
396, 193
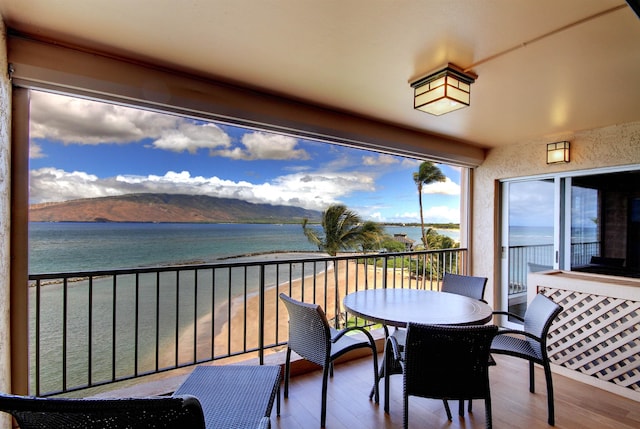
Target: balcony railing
525, 259
94, 328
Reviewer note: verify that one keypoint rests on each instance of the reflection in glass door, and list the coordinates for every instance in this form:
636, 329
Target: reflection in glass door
528, 237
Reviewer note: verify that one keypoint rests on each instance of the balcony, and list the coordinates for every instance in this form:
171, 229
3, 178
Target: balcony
91, 329
168, 319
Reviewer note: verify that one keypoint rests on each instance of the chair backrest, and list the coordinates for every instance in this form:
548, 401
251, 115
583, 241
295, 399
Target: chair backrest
537, 321
309, 332
448, 361
470, 286
159, 412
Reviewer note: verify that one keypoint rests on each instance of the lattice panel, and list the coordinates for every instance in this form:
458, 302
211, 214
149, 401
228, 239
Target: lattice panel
596, 335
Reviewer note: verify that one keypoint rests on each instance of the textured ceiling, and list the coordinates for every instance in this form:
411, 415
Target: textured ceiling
542, 70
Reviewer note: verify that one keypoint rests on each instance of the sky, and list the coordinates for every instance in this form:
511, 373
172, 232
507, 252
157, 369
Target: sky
86, 149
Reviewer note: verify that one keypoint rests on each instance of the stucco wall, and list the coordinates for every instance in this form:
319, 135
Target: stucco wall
603, 147
5, 144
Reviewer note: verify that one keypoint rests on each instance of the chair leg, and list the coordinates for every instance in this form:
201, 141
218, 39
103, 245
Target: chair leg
447, 409
405, 418
323, 411
532, 382
286, 373
470, 408
547, 376
376, 385
380, 375
386, 383
461, 407
487, 406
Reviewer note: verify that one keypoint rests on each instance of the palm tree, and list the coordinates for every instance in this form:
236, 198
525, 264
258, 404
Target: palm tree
342, 230
427, 173
372, 235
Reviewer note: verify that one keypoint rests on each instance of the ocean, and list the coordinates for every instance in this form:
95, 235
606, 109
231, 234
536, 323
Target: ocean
69, 247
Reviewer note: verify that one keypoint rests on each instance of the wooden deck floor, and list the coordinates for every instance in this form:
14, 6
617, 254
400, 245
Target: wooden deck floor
577, 405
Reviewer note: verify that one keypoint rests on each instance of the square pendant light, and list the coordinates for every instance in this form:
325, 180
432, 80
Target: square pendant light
443, 91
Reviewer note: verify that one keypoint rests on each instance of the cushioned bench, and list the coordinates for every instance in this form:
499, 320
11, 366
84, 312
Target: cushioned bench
234, 396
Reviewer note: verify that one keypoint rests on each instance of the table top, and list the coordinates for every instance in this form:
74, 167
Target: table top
233, 396
396, 307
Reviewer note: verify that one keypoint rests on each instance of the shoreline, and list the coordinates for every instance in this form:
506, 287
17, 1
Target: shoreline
276, 318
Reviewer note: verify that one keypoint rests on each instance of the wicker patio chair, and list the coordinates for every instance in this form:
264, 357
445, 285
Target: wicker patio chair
470, 286
311, 337
446, 362
131, 413
533, 347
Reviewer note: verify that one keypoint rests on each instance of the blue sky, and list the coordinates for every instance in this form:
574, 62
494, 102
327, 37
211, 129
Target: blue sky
85, 149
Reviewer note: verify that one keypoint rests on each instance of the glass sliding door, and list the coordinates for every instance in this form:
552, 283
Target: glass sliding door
585, 231
585, 221
530, 236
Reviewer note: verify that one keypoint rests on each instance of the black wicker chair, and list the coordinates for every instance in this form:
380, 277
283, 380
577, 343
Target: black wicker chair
311, 337
446, 362
470, 286
131, 413
533, 347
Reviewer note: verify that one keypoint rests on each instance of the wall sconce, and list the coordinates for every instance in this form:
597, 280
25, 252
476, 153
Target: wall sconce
443, 91
557, 152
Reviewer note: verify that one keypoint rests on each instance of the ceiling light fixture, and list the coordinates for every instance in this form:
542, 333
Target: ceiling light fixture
443, 91
557, 152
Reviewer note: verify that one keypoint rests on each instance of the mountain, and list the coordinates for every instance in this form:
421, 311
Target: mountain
167, 208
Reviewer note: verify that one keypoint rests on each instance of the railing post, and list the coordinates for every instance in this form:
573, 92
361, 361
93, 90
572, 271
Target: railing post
261, 316
384, 271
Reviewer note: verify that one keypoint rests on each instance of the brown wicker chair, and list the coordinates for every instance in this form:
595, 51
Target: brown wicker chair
132, 413
533, 347
446, 362
311, 337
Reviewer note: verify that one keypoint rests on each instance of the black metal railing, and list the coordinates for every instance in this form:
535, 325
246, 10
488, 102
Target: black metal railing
89, 329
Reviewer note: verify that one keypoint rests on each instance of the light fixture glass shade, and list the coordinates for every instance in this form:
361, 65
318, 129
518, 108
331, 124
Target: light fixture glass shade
443, 91
557, 152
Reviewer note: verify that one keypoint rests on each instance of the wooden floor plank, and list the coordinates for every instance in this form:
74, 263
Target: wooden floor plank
348, 407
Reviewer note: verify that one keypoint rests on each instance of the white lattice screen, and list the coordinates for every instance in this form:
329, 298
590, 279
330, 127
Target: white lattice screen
596, 335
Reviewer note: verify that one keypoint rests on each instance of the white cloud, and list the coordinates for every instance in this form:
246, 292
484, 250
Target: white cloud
190, 137
438, 214
78, 121
35, 151
72, 120
261, 145
448, 187
309, 190
52, 184
380, 159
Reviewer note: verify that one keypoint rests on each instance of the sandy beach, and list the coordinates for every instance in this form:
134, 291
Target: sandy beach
244, 323
236, 329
